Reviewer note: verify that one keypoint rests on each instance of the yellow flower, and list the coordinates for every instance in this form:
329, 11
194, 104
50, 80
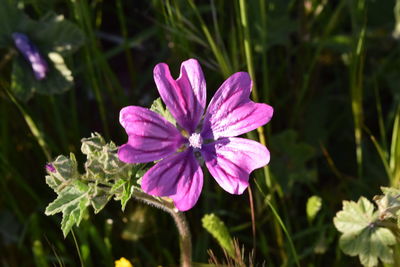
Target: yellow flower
122, 262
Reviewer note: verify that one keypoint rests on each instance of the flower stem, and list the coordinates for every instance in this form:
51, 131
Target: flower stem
185, 242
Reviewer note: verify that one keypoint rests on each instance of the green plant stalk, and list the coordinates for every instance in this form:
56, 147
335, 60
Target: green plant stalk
382, 155
356, 93
253, 217
80, 9
39, 136
226, 70
247, 47
395, 150
185, 241
380, 118
265, 69
278, 218
84, 246
281, 224
77, 248
260, 130
250, 67
307, 75
103, 75
124, 31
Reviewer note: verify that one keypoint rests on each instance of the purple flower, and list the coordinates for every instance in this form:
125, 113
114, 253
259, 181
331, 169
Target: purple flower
50, 168
31, 53
229, 159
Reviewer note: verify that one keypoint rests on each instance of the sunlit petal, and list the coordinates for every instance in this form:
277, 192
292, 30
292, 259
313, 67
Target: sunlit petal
231, 160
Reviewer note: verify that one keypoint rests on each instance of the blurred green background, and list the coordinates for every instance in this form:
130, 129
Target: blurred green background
330, 69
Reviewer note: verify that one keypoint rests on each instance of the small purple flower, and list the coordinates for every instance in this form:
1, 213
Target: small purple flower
229, 159
50, 168
31, 53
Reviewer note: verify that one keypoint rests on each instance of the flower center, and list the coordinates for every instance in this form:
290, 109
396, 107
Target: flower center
195, 140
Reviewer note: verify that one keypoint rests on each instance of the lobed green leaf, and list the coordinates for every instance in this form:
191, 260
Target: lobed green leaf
363, 234
106, 177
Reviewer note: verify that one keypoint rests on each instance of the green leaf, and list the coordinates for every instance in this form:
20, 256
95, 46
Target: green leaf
389, 203
105, 177
355, 216
66, 170
124, 189
102, 160
159, 108
369, 244
362, 233
73, 215
216, 227
56, 34
54, 37
100, 197
72, 201
314, 204
126, 194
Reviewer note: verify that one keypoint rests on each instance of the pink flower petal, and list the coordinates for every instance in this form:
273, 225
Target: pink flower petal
231, 112
185, 97
178, 176
151, 137
231, 160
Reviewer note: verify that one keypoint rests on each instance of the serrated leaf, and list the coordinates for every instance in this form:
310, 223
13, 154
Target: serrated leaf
389, 203
70, 196
216, 227
72, 201
313, 206
362, 234
73, 215
126, 195
100, 198
369, 244
355, 216
66, 167
105, 177
102, 159
123, 191
158, 107
65, 170
93, 144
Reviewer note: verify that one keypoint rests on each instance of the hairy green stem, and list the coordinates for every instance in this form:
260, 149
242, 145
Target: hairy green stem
185, 241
